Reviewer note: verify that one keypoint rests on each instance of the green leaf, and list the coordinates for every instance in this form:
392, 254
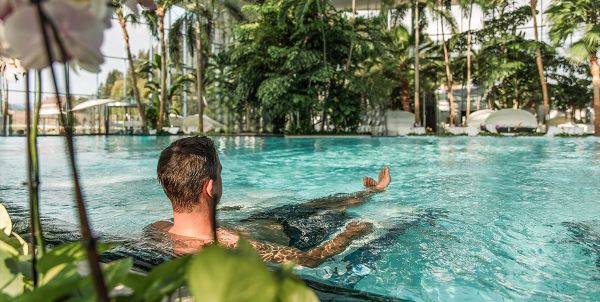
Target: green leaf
116, 271
294, 290
113, 272
9, 245
73, 286
161, 281
20, 243
5, 222
135, 281
578, 53
217, 274
4, 297
12, 281
67, 253
58, 289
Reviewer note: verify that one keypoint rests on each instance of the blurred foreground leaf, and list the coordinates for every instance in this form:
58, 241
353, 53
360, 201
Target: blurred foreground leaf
159, 282
75, 287
67, 253
5, 222
217, 274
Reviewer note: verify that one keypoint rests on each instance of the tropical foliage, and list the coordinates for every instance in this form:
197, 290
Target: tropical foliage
34, 272
292, 66
580, 19
214, 274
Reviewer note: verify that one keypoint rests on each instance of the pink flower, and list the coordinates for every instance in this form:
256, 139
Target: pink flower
8, 6
80, 31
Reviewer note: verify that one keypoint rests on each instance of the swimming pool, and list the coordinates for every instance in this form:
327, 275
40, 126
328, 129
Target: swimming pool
465, 219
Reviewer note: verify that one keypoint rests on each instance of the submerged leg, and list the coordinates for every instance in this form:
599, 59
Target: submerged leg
358, 264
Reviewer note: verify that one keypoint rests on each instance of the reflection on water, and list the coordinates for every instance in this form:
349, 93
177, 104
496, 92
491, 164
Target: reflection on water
588, 236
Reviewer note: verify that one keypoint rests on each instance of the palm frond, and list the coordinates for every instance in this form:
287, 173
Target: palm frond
151, 20
190, 35
175, 40
578, 53
565, 17
132, 18
591, 37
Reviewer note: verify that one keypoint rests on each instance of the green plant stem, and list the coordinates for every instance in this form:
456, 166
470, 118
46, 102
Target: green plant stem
89, 241
37, 225
31, 185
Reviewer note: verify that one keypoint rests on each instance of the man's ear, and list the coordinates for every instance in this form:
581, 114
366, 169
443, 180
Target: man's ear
208, 187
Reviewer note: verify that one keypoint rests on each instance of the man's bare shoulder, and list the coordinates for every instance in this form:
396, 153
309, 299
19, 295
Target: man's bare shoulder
161, 225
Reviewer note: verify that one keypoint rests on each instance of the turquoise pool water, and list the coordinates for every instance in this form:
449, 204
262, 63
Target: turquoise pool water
465, 219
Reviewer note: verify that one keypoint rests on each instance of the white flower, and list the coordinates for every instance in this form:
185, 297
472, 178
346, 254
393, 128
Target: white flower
80, 32
10, 67
4, 46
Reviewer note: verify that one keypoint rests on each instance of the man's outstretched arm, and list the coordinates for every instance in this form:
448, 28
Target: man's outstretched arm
354, 199
281, 254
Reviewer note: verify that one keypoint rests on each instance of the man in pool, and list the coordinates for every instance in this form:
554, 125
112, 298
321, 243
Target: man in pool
190, 173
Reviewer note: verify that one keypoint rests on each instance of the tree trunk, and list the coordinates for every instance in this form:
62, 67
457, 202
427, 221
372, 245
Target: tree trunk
469, 62
136, 92
405, 95
248, 118
417, 65
540, 63
596, 89
5, 108
199, 77
160, 12
449, 89
351, 40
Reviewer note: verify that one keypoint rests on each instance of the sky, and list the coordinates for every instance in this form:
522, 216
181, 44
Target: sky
84, 83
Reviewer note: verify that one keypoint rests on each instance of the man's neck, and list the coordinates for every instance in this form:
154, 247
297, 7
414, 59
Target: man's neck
196, 224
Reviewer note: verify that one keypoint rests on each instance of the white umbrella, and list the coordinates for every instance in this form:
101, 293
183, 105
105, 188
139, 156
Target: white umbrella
92, 103
477, 118
49, 110
514, 118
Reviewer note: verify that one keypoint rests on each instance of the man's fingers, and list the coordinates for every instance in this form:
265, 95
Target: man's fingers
369, 182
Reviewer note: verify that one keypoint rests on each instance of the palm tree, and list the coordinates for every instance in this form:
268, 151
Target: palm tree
539, 62
568, 17
419, 22
444, 14
197, 25
399, 64
156, 22
417, 33
123, 17
468, 5
161, 11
